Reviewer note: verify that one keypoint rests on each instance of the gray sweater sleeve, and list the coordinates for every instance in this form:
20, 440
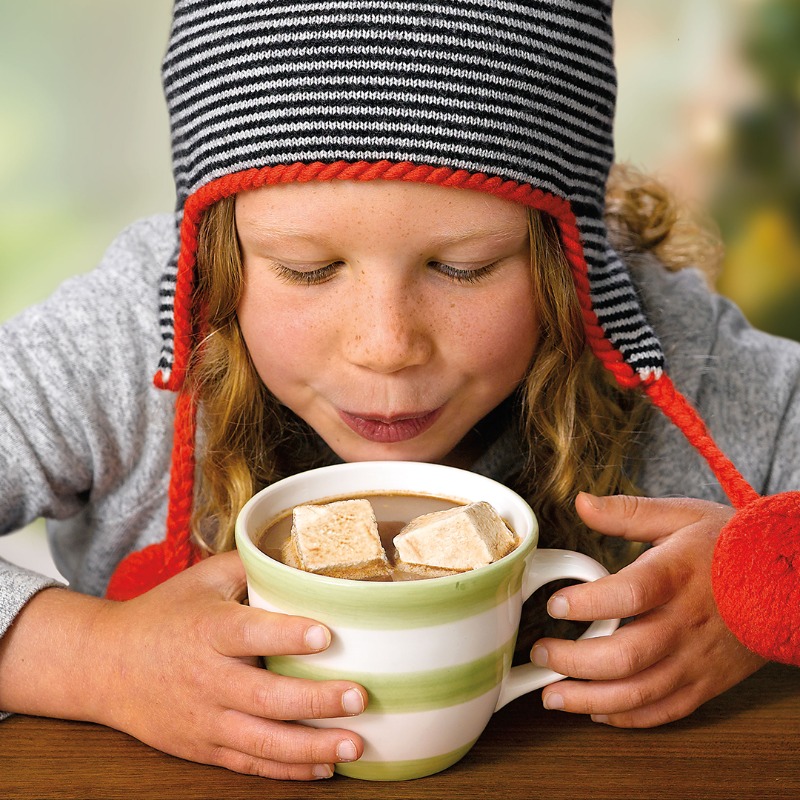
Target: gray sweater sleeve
745, 384
84, 435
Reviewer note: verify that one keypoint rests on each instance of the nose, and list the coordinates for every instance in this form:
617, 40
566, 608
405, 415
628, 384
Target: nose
388, 329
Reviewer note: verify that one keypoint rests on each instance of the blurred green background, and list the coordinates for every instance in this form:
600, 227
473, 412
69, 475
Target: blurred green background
84, 145
709, 102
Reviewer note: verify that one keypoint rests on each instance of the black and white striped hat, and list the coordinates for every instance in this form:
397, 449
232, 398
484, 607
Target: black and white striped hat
515, 99
519, 93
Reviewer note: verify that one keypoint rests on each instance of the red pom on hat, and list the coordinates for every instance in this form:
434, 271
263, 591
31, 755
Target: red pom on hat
756, 576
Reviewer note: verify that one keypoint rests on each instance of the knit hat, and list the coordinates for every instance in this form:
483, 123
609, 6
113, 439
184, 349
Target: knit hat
514, 99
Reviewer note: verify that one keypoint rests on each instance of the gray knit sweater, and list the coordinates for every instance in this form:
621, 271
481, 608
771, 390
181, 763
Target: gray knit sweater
85, 437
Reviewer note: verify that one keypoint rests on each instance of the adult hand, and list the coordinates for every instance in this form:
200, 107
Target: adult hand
677, 652
181, 673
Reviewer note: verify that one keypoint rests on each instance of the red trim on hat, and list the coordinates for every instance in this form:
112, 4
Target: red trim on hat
557, 207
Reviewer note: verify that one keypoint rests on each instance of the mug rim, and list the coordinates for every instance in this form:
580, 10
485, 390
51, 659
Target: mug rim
245, 542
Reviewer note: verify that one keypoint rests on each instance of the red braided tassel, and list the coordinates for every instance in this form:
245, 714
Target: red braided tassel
678, 410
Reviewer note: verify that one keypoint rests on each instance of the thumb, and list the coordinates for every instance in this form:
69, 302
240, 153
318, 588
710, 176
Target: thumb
644, 519
223, 572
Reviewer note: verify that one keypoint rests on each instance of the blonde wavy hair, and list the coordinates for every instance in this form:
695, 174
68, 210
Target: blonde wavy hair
578, 428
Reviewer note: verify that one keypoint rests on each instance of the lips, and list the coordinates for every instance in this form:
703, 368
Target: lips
388, 430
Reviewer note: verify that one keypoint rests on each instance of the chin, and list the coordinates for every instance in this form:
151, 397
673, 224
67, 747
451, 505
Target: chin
401, 452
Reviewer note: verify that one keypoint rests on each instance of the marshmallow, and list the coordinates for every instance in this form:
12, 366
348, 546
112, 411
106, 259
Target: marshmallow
457, 539
339, 539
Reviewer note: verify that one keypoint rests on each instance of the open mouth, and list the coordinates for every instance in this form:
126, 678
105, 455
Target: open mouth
388, 430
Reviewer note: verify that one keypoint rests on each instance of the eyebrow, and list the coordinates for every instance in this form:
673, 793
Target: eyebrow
451, 237
496, 233
284, 232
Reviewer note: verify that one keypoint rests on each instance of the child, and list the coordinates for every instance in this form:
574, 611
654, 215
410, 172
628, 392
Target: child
392, 245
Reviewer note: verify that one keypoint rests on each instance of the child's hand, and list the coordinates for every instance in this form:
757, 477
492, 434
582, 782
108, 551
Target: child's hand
182, 674
677, 653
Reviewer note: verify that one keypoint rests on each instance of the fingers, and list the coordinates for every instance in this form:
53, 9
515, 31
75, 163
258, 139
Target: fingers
625, 673
239, 631
242, 631
222, 707
679, 696
645, 519
646, 584
250, 765
255, 735
657, 669
282, 750
259, 739
223, 572
676, 654
668, 709
683, 531
265, 768
652, 697
628, 651
266, 694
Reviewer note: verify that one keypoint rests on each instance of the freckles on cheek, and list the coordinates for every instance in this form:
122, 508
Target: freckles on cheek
502, 340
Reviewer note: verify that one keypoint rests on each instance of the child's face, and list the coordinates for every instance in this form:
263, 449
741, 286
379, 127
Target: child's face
391, 317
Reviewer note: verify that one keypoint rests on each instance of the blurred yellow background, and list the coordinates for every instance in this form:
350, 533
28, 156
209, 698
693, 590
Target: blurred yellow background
709, 101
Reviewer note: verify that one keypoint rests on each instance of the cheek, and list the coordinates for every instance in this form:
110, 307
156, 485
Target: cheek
279, 336
500, 334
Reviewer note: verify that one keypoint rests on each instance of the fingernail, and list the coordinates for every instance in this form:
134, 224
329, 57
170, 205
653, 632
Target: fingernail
558, 607
352, 702
317, 637
554, 702
539, 656
597, 503
600, 718
346, 750
322, 771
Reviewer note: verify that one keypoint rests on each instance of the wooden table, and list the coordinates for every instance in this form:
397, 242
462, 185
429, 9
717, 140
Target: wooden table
744, 744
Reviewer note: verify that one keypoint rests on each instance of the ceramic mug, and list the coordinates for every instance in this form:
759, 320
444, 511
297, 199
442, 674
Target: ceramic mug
434, 655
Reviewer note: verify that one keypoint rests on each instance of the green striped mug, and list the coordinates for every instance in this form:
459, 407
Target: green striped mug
434, 655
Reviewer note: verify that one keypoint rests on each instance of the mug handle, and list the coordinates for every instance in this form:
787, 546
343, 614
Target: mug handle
545, 566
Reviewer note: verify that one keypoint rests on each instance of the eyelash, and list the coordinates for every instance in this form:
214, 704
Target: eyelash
315, 277
310, 278
465, 276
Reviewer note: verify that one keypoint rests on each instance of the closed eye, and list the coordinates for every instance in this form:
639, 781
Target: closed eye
472, 275
308, 277
314, 276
